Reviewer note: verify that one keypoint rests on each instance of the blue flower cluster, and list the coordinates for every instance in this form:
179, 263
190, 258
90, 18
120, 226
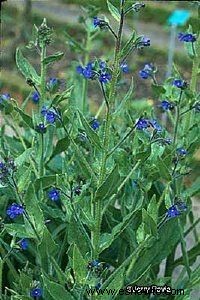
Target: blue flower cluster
53, 85
166, 105
35, 97
24, 244
53, 194
99, 23
41, 128
176, 210
143, 123
4, 97
36, 293
181, 152
94, 71
187, 37
15, 210
124, 67
95, 124
50, 114
179, 83
147, 71
144, 42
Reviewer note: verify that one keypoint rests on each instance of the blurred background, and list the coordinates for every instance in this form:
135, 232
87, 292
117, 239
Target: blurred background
18, 17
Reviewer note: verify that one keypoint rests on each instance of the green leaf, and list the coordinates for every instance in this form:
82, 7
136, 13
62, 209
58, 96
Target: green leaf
52, 58
45, 181
59, 272
24, 179
114, 11
129, 45
33, 209
162, 168
152, 209
109, 186
107, 238
125, 99
55, 290
76, 46
61, 146
115, 285
94, 138
46, 248
26, 118
158, 89
79, 266
150, 226
25, 67
24, 157
19, 230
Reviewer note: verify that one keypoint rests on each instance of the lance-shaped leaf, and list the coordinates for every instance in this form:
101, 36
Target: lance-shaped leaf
125, 99
94, 138
108, 238
19, 230
79, 266
26, 68
129, 45
114, 11
26, 118
109, 186
52, 58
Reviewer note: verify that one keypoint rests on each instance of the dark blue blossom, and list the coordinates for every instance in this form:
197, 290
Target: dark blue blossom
173, 212
36, 292
15, 210
99, 22
35, 97
87, 71
24, 244
105, 77
142, 124
181, 151
53, 85
98, 286
155, 125
167, 141
77, 190
166, 105
146, 41
124, 67
187, 37
102, 65
49, 114
79, 69
94, 263
53, 194
41, 128
95, 124
4, 97
181, 84
147, 71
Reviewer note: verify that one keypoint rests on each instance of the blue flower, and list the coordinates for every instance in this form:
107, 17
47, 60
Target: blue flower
155, 125
87, 71
181, 84
166, 105
173, 212
54, 194
49, 114
147, 71
142, 124
4, 97
36, 292
124, 67
53, 85
95, 124
41, 128
24, 244
94, 263
187, 37
102, 65
146, 41
181, 151
98, 286
77, 190
99, 22
15, 210
79, 69
35, 97
105, 77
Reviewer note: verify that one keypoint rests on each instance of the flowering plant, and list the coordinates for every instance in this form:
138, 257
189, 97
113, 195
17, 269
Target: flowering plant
98, 201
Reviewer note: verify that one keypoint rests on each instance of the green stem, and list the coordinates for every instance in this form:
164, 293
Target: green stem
106, 137
43, 77
184, 250
42, 155
85, 81
177, 117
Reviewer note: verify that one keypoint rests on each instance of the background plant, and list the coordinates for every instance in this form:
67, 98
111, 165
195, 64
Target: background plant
97, 201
